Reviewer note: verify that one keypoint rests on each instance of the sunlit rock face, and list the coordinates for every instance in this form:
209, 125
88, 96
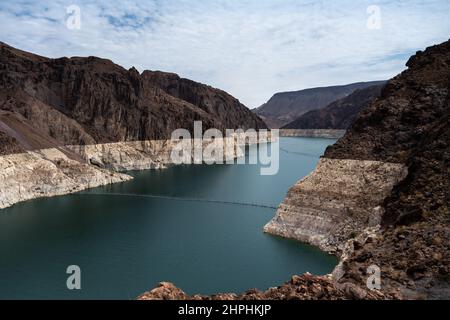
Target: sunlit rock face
338, 200
47, 173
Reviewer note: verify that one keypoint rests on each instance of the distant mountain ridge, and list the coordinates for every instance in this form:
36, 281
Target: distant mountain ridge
339, 114
285, 107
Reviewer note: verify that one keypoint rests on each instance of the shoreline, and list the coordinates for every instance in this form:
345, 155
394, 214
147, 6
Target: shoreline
54, 171
313, 133
103, 162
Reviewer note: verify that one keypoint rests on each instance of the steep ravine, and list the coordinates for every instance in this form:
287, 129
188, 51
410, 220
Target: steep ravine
379, 197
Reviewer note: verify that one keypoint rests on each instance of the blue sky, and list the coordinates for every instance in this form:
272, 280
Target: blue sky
251, 49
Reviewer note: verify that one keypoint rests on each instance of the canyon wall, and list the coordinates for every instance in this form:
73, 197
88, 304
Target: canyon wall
69, 169
338, 200
69, 124
379, 197
83, 101
46, 173
389, 178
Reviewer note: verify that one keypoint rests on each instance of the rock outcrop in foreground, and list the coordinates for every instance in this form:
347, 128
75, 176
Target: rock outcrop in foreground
306, 287
380, 196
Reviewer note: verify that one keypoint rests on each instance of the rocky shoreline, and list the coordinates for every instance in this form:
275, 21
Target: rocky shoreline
58, 171
339, 199
337, 205
306, 287
48, 173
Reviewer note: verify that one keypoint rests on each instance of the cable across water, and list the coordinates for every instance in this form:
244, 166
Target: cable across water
153, 196
299, 153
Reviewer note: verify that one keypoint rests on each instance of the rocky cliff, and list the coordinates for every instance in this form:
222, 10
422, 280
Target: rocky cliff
64, 121
409, 125
80, 101
339, 199
380, 196
285, 107
227, 109
339, 114
405, 131
47, 173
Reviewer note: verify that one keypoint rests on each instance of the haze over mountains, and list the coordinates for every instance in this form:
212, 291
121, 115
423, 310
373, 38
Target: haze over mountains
285, 107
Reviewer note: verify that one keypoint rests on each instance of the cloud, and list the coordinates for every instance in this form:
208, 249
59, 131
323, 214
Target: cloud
251, 49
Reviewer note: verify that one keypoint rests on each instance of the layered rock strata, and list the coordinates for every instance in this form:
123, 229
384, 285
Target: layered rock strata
47, 173
51, 172
339, 199
156, 154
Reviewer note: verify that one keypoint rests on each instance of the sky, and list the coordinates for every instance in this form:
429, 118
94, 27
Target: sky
251, 49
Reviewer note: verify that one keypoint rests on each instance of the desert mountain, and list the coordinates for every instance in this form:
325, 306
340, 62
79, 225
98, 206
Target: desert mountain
339, 114
286, 107
75, 101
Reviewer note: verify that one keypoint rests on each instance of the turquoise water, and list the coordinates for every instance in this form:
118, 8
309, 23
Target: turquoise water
125, 245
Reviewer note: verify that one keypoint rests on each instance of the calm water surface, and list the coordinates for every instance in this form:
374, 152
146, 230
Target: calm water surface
125, 245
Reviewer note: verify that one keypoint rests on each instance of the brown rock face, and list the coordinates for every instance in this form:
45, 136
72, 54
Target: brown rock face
411, 106
8, 145
340, 114
409, 124
226, 108
92, 100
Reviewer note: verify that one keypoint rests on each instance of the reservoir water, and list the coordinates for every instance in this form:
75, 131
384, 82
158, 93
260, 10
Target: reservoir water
126, 244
